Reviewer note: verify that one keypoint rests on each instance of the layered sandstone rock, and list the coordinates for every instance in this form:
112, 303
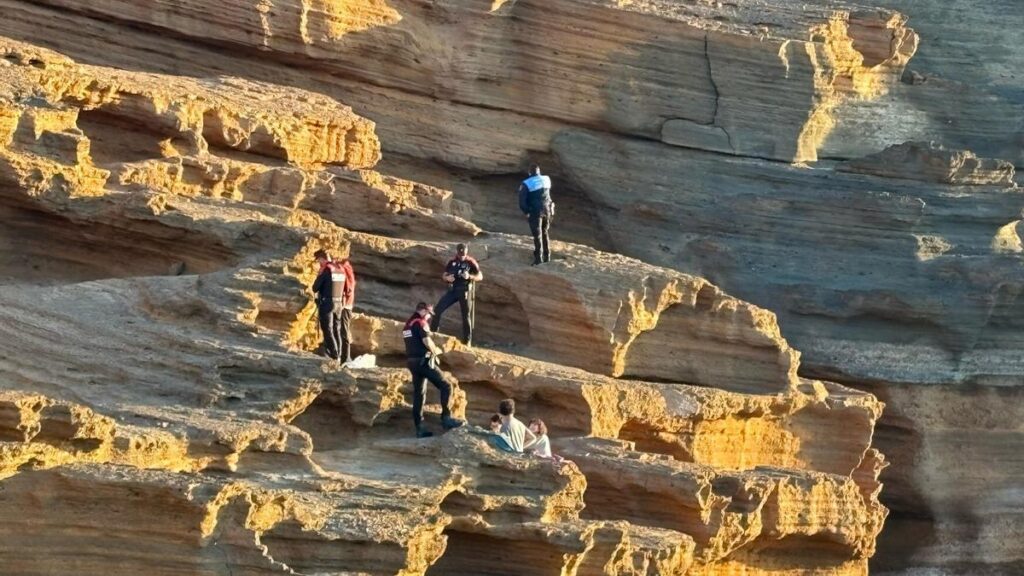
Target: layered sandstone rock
931, 162
692, 75
179, 424
899, 277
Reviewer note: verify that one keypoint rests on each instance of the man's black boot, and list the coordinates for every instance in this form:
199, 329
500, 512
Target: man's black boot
422, 432
449, 423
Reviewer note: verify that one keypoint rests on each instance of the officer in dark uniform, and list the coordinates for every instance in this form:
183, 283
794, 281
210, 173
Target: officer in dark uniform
331, 289
422, 358
461, 273
535, 203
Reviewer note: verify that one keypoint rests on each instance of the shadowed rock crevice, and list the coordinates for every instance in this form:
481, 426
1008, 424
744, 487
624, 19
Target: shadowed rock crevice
41, 247
304, 553
114, 139
463, 556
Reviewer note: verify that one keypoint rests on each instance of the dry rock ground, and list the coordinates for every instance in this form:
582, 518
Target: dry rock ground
728, 173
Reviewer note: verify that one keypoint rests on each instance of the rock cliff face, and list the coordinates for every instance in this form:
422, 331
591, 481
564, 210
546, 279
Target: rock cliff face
736, 182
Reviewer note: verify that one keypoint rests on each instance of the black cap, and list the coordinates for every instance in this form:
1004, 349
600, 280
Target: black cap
460, 247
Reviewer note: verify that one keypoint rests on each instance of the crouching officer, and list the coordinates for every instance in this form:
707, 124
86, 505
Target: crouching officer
535, 203
461, 273
422, 358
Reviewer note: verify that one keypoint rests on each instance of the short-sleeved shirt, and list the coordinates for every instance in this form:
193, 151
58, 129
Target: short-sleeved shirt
515, 432
416, 329
535, 195
537, 182
542, 447
455, 266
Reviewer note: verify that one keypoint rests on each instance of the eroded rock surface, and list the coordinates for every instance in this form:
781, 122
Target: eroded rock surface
670, 128
180, 425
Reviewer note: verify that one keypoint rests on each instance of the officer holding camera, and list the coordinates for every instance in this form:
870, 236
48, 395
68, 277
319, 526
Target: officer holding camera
461, 273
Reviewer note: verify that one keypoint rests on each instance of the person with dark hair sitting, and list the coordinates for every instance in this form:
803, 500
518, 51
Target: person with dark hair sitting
518, 435
500, 440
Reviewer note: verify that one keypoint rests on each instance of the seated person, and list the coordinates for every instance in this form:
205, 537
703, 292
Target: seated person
542, 446
519, 436
501, 441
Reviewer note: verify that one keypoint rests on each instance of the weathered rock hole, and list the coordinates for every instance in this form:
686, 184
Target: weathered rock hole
501, 319
706, 298
470, 554
329, 422
649, 439
616, 499
307, 553
458, 503
117, 140
232, 143
39, 247
276, 320
795, 553
495, 481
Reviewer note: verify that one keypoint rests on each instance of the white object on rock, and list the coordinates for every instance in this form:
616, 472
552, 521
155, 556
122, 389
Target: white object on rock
362, 362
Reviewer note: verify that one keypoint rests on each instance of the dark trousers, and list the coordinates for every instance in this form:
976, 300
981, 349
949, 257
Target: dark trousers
336, 324
344, 335
422, 370
540, 223
466, 305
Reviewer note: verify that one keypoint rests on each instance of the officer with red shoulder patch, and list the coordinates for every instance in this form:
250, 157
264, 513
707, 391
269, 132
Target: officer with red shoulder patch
335, 291
422, 360
461, 273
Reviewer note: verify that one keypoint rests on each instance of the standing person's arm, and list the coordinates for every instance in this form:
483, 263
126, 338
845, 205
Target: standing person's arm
422, 332
434, 349
446, 275
523, 194
350, 283
474, 271
318, 285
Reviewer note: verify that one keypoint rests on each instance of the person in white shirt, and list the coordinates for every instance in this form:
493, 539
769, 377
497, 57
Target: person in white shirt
500, 440
519, 437
542, 447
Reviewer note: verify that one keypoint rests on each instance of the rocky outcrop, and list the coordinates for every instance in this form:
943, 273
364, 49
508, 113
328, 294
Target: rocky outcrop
766, 76
953, 244
919, 304
930, 162
180, 420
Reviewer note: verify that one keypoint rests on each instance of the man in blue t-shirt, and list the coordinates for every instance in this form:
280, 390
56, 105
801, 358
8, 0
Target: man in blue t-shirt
535, 203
